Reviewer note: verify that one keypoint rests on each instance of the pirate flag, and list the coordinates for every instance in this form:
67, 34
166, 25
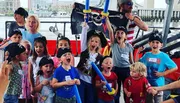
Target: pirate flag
95, 19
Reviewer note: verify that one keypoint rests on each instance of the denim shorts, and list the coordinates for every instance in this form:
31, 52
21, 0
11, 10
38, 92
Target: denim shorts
11, 98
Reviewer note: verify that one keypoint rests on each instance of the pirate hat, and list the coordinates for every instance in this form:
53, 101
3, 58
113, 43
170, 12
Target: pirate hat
99, 34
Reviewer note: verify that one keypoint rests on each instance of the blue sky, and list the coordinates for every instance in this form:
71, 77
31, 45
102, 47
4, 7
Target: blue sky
158, 3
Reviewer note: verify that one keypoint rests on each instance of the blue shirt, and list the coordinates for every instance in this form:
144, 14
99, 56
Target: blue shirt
157, 62
26, 35
63, 75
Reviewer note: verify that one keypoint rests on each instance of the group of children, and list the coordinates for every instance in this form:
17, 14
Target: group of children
51, 80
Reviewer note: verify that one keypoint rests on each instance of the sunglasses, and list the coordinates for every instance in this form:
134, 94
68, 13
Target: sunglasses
129, 3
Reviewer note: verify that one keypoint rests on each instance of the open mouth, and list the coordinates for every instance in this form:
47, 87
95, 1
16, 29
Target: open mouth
93, 47
154, 47
119, 38
108, 67
68, 60
48, 72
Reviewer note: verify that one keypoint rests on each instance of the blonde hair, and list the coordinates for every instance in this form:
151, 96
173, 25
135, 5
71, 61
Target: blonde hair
99, 47
139, 67
36, 19
26, 42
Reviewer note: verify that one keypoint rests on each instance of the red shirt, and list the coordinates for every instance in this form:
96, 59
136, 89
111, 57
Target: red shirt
137, 88
102, 91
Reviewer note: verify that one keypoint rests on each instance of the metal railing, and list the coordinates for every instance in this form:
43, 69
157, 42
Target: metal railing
7, 24
152, 15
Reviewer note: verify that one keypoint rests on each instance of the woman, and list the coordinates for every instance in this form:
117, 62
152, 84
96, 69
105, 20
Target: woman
19, 15
32, 32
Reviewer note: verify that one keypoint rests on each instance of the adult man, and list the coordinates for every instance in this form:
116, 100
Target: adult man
126, 7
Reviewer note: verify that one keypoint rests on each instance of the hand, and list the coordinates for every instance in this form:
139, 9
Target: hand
70, 82
152, 91
112, 92
4, 41
4, 74
103, 83
140, 49
32, 90
128, 94
129, 16
158, 74
77, 81
45, 82
157, 88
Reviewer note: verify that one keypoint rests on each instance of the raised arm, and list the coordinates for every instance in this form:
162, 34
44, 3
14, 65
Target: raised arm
85, 27
111, 34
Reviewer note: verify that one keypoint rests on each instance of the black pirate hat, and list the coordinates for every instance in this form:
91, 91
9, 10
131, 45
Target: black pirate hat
99, 34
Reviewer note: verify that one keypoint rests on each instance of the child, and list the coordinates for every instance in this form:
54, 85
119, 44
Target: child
64, 78
43, 81
157, 62
26, 95
19, 15
40, 51
63, 42
103, 97
16, 54
15, 37
136, 86
122, 54
91, 44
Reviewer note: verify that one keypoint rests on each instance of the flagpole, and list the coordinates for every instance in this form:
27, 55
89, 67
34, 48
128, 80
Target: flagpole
105, 12
87, 10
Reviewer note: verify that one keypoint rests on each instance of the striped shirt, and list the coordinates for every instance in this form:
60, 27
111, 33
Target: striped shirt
130, 34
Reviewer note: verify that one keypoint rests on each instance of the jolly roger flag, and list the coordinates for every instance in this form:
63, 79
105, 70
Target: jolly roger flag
77, 17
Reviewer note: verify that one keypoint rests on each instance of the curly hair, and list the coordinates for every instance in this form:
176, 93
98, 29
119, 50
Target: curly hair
139, 67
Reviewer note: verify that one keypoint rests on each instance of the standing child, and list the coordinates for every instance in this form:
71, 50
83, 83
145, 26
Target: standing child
91, 44
26, 95
157, 62
122, 54
40, 51
15, 37
43, 81
63, 42
136, 86
16, 54
103, 95
65, 77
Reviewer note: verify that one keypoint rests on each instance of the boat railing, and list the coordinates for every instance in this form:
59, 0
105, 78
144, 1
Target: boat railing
152, 15
7, 24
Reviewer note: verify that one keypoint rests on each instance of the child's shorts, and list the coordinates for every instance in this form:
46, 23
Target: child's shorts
10, 98
177, 99
65, 100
